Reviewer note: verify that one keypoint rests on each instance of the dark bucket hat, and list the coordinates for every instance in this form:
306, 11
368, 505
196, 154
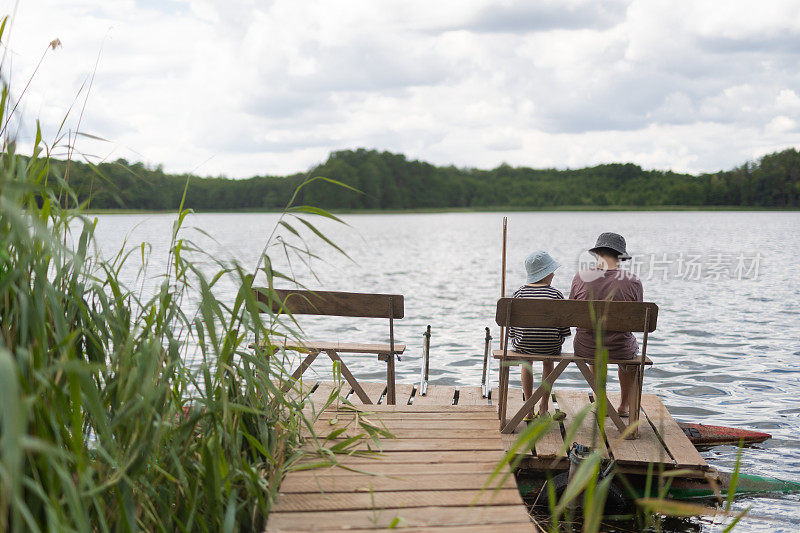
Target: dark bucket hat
615, 242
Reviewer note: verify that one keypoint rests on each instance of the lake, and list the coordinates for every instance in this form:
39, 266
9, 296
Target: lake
727, 283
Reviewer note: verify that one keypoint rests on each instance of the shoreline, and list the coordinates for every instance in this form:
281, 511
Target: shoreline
491, 209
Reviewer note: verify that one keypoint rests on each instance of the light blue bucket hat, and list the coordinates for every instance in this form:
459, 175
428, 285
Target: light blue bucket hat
539, 265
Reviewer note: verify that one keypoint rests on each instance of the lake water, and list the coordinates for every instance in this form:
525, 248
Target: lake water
727, 283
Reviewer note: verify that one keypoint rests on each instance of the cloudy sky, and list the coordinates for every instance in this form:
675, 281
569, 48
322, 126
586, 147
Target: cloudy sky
245, 87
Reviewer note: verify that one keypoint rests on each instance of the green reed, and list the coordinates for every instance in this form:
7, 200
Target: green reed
103, 425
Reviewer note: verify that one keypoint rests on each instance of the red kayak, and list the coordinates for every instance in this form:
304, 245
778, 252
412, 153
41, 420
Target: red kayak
703, 435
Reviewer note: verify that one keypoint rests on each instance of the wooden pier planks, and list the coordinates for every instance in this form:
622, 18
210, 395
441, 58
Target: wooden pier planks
551, 444
515, 402
298, 389
374, 392
657, 428
444, 445
471, 396
345, 481
423, 431
488, 528
323, 392
646, 449
397, 458
380, 466
500, 517
402, 444
436, 395
571, 403
403, 392
661, 429
343, 501
678, 444
479, 411
430, 425
429, 477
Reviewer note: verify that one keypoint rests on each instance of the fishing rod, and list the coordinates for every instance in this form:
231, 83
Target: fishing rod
503, 273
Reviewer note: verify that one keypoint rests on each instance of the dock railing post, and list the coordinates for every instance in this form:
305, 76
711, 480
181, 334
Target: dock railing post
503, 274
424, 369
390, 392
487, 364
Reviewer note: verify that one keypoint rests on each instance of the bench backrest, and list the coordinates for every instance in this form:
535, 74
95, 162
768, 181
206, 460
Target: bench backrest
613, 316
299, 302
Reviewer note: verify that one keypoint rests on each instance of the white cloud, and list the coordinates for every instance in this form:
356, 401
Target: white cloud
787, 99
781, 124
248, 87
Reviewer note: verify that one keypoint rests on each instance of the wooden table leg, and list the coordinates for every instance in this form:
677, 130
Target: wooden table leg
300, 369
503, 391
530, 403
390, 380
588, 375
496, 401
349, 377
633, 404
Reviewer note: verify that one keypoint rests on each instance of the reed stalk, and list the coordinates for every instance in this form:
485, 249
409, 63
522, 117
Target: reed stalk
103, 424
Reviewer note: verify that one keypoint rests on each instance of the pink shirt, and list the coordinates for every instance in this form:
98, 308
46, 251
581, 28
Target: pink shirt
616, 285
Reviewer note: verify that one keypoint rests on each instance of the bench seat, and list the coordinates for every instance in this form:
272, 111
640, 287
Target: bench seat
512, 356
381, 350
341, 347
602, 315
341, 304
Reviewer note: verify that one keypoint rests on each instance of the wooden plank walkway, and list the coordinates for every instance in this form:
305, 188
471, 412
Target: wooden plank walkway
661, 441
434, 475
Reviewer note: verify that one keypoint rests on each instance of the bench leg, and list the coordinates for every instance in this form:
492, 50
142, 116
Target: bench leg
530, 403
503, 393
588, 375
349, 377
300, 369
497, 401
633, 404
390, 388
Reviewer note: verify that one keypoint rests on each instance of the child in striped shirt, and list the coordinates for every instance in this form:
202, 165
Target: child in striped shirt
540, 269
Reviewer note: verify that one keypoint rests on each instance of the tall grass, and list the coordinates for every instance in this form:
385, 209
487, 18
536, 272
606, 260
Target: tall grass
103, 426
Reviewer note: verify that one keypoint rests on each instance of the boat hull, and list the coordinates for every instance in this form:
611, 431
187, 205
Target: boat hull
679, 488
705, 435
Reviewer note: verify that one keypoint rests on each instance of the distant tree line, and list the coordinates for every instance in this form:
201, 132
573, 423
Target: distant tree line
390, 181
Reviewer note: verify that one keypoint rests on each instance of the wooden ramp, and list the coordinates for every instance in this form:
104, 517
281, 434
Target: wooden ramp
434, 475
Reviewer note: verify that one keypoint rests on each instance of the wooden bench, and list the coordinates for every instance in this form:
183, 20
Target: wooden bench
299, 302
588, 314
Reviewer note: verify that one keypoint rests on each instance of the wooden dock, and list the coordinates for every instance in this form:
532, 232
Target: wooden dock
434, 474
661, 441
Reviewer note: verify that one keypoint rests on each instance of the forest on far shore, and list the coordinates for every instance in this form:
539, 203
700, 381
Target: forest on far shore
391, 181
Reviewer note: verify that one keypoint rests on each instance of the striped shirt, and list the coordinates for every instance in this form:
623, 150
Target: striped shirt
545, 341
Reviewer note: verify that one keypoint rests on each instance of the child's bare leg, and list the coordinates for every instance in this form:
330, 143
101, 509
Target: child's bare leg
547, 368
527, 381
